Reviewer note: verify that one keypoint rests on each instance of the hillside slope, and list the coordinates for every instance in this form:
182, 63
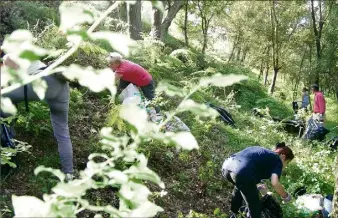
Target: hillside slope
193, 179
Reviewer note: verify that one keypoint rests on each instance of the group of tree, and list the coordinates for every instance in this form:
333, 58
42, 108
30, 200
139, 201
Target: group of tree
297, 39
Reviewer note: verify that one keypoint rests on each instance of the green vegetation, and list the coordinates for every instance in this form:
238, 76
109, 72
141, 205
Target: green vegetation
193, 178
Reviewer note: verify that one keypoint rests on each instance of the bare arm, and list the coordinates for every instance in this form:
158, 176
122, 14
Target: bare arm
278, 186
118, 76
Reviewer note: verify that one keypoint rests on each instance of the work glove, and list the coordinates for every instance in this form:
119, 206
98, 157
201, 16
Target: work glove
263, 189
287, 199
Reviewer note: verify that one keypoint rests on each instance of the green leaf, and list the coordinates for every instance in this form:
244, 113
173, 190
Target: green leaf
55, 53
183, 140
27, 206
55, 172
120, 42
20, 36
82, 32
22, 50
95, 80
199, 109
141, 171
147, 209
75, 188
29, 55
73, 14
217, 211
136, 117
40, 87
221, 80
158, 4
170, 90
7, 106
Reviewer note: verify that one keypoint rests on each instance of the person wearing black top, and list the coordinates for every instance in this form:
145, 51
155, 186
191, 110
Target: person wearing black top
248, 167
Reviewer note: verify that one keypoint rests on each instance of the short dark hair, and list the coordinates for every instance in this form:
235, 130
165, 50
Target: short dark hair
315, 87
281, 148
305, 89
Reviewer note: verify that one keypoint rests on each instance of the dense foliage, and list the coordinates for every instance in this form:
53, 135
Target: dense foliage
264, 36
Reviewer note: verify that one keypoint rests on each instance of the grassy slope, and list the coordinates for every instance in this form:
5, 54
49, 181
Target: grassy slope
193, 180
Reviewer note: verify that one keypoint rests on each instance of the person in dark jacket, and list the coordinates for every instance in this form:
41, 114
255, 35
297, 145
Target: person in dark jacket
248, 167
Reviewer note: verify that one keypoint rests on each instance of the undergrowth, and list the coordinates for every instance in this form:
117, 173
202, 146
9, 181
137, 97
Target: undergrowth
194, 182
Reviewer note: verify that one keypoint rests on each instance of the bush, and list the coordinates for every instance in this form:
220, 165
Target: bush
24, 14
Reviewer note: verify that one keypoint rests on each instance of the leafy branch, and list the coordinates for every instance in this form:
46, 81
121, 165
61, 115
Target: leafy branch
49, 70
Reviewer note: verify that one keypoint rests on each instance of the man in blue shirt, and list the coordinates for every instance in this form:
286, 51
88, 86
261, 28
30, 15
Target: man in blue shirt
248, 167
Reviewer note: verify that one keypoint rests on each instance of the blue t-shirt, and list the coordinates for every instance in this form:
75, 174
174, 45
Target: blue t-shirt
255, 162
305, 100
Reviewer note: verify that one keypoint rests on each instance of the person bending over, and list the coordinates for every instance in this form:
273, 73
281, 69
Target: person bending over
248, 167
57, 98
129, 72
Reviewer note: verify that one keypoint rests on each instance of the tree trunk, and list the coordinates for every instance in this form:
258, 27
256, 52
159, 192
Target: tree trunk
317, 33
273, 82
205, 42
244, 54
266, 73
233, 48
275, 46
267, 66
238, 53
261, 68
186, 24
156, 23
135, 22
260, 71
173, 10
123, 12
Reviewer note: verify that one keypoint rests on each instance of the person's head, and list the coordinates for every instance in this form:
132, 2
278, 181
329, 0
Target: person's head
305, 90
285, 153
114, 60
315, 88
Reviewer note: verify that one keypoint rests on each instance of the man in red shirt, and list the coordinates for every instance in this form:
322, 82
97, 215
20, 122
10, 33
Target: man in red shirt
129, 72
319, 106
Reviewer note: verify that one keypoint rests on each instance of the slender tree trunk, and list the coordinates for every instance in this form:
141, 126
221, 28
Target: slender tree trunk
205, 28
260, 70
233, 48
244, 54
135, 22
186, 24
317, 33
267, 66
156, 23
273, 82
238, 53
205, 42
123, 12
173, 10
275, 46
266, 73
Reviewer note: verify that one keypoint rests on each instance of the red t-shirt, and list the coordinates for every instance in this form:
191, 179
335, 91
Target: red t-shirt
134, 73
319, 105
